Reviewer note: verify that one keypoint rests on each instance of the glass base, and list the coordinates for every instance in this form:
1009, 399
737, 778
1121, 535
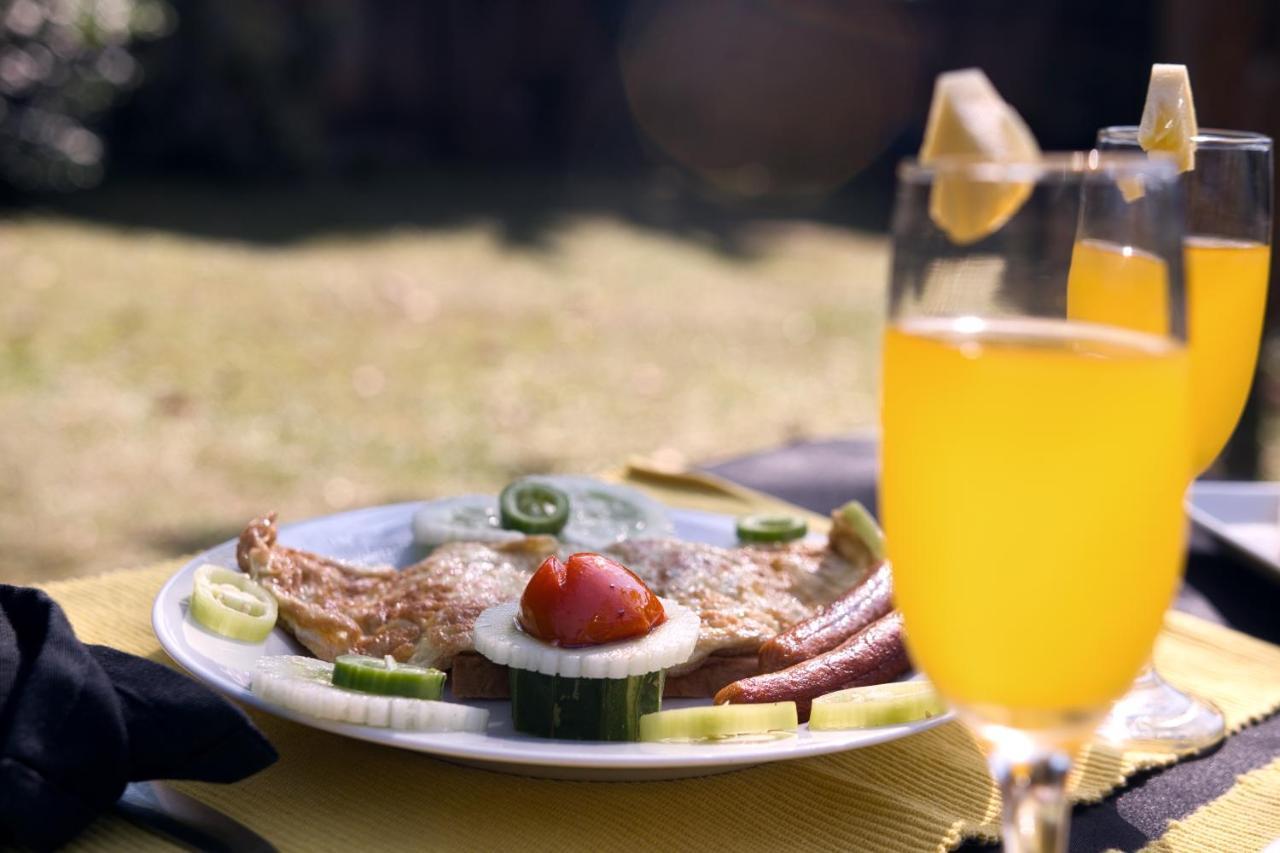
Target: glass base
1154, 716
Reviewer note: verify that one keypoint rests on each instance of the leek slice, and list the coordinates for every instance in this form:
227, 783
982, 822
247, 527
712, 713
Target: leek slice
229, 603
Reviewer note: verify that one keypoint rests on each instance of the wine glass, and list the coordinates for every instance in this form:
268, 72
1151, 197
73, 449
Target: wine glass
1227, 263
1033, 466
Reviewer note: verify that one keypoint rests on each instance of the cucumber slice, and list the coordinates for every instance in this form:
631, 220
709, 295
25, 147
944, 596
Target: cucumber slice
230, 603
386, 677
766, 527
304, 685
469, 518
877, 705
864, 527
719, 723
498, 637
600, 514
554, 706
532, 507
603, 514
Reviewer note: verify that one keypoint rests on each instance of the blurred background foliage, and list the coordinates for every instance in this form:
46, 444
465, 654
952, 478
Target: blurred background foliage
758, 95
63, 64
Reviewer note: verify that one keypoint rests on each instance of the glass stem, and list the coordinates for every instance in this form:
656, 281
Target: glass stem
1033, 786
1148, 677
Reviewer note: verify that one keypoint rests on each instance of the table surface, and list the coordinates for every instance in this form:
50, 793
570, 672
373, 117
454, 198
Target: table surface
822, 475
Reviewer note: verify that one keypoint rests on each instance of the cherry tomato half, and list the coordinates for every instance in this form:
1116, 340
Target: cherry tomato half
587, 600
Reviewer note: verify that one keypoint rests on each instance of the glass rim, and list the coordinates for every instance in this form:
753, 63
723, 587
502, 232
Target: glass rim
1207, 137
1048, 167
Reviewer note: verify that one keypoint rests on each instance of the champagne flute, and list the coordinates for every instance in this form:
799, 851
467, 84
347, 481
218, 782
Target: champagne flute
1031, 487
1227, 264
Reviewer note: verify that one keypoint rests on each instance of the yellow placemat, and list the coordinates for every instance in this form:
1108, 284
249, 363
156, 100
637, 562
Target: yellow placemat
926, 792
1246, 818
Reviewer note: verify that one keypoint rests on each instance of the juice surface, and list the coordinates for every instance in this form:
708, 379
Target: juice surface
1033, 474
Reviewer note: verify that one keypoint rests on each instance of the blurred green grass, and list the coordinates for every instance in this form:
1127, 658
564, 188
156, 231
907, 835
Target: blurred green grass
173, 361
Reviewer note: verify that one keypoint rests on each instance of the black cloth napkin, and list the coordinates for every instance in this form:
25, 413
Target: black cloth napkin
78, 722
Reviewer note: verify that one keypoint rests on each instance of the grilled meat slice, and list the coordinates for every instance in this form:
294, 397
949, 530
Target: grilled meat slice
744, 596
425, 612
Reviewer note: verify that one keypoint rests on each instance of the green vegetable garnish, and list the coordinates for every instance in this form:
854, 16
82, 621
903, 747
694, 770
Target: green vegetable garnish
386, 677
864, 526
305, 685
769, 527
229, 603
720, 723
583, 708
533, 507
877, 705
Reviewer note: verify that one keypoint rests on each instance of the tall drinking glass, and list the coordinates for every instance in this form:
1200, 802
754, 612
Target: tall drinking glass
1227, 264
1033, 467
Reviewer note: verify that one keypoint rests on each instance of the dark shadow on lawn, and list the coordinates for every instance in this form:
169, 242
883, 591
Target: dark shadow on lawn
525, 208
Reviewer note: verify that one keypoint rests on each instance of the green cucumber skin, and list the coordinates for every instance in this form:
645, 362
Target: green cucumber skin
554, 706
767, 528
513, 516
381, 682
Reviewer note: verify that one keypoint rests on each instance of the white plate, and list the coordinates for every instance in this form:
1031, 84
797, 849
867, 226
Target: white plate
1244, 516
381, 535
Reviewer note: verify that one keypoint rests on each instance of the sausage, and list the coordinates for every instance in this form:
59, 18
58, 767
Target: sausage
874, 655
833, 624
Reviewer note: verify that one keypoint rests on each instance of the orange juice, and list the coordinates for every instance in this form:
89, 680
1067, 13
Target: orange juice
1226, 300
1033, 473
1118, 286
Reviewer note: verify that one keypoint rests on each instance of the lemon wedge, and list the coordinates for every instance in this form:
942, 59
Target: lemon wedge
968, 118
1169, 116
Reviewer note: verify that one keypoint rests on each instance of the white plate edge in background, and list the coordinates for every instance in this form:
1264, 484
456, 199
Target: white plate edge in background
1256, 541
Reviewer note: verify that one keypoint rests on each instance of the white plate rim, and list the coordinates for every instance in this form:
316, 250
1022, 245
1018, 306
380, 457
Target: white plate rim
1266, 563
497, 750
